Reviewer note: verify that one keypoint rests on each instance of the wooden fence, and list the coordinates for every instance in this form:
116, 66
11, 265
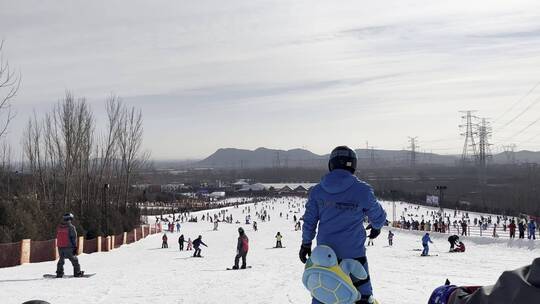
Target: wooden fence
28, 251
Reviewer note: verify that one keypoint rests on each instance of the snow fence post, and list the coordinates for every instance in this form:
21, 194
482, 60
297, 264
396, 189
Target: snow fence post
142, 232
80, 247
108, 238
134, 234
98, 244
113, 241
124, 241
25, 251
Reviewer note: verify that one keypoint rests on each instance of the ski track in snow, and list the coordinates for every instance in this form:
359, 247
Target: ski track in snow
144, 273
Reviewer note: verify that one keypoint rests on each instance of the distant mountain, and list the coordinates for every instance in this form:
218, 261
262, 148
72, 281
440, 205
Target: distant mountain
261, 158
268, 158
523, 156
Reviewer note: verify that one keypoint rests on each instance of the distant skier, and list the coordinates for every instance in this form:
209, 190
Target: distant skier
390, 238
278, 240
512, 229
532, 230
189, 245
460, 247
181, 242
177, 227
521, 228
337, 206
453, 240
197, 246
425, 243
216, 225
242, 248
254, 225
66, 239
164, 241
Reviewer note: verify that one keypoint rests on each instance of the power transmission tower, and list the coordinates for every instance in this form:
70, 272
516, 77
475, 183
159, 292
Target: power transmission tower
469, 153
413, 145
484, 134
509, 152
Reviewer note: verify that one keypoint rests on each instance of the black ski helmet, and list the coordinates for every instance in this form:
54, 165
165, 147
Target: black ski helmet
240, 230
342, 157
67, 217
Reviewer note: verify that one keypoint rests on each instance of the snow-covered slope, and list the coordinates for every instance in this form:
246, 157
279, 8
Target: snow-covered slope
144, 273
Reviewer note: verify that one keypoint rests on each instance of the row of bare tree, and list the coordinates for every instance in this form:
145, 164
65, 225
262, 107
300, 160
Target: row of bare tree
75, 163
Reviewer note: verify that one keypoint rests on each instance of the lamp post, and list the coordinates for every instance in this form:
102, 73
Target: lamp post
393, 193
441, 189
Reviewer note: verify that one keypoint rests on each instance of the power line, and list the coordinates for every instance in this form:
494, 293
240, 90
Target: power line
517, 102
520, 114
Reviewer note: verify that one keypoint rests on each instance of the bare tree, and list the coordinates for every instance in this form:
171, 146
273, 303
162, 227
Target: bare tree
10, 83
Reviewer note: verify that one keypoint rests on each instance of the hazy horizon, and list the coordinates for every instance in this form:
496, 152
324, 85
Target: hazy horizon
284, 75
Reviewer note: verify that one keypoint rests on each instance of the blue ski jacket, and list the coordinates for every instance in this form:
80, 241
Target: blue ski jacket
338, 204
531, 226
426, 239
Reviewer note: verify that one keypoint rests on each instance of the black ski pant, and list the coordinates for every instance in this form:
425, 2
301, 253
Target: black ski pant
67, 253
278, 244
197, 252
242, 255
181, 246
164, 245
451, 245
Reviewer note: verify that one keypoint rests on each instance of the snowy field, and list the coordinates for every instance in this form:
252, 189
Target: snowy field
144, 273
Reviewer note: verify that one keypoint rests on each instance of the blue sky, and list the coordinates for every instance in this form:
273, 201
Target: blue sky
284, 74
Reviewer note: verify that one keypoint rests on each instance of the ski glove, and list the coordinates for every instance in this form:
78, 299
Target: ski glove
373, 233
305, 252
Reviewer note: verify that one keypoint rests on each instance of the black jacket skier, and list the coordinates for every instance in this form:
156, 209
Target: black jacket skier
197, 246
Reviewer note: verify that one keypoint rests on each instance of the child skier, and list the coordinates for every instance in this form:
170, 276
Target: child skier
334, 213
164, 243
390, 238
278, 240
189, 245
242, 248
197, 245
459, 248
425, 243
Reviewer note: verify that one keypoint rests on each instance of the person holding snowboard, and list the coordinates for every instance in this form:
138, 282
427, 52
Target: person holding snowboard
453, 240
181, 242
164, 241
425, 243
197, 246
66, 241
278, 240
390, 238
337, 206
242, 248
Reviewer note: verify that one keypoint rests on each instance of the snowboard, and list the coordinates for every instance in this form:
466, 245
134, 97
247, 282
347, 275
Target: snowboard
70, 276
276, 247
248, 267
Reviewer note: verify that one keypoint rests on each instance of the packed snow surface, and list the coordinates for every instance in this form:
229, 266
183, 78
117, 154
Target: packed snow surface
144, 273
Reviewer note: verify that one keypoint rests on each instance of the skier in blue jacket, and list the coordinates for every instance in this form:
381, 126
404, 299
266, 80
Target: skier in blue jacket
532, 230
425, 243
338, 204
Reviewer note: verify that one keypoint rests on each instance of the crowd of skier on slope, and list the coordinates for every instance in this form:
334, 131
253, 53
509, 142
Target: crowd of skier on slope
334, 214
